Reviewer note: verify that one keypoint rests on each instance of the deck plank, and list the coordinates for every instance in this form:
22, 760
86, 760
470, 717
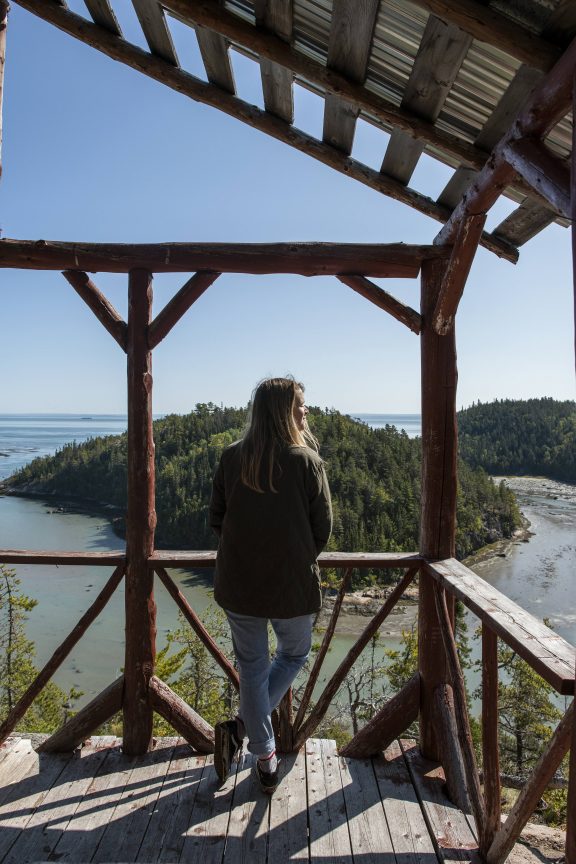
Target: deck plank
369, 833
448, 826
248, 827
410, 838
205, 839
130, 818
92, 815
329, 836
171, 817
288, 833
60, 784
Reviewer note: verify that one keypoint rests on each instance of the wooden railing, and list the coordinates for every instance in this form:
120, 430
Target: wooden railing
546, 652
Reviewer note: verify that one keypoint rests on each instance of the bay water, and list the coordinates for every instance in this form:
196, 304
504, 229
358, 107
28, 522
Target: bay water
538, 574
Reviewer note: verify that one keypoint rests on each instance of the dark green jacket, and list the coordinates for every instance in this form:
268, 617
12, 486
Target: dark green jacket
269, 541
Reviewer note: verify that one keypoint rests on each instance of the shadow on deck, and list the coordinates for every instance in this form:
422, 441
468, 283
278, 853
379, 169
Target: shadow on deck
99, 805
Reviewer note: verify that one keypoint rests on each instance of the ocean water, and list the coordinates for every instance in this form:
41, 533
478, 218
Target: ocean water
24, 437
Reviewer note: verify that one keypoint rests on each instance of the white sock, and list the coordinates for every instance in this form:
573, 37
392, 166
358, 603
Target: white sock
269, 762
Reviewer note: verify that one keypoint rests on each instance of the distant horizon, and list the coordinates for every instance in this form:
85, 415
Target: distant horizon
87, 414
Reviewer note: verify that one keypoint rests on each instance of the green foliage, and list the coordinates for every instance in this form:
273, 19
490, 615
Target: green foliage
535, 436
374, 477
17, 670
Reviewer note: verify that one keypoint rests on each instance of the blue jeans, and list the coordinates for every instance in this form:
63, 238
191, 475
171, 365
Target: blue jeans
264, 683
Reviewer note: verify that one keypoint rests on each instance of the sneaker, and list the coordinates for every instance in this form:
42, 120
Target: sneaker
268, 779
227, 747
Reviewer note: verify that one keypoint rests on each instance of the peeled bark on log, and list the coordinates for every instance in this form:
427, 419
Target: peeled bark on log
182, 718
389, 723
86, 721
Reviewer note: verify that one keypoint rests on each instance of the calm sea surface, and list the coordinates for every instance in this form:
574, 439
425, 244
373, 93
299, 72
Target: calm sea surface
539, 575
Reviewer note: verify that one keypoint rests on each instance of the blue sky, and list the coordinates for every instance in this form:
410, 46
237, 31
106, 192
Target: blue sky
94, 151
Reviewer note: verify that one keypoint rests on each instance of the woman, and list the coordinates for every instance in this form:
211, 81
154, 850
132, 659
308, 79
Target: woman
271, 509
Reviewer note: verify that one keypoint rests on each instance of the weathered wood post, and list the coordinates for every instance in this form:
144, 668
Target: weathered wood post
438, 508
571, 807
3, 27
140, 522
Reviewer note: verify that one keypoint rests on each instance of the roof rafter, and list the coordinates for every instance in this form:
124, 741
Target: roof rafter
549, 102
187, 84
487, 25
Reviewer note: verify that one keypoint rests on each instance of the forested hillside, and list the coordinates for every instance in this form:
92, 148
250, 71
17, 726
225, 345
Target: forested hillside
535, 436
374, 476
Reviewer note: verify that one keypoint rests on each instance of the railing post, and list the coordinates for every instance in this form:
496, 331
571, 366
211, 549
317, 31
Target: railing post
438, 505
140, 522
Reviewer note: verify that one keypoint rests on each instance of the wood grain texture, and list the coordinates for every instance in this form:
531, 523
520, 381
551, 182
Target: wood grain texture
60, 654
140, 608
108, 316
439, 378
388, 723
490, 752
544, 172
384, 300
182, 718
62, 558
490, 26
103, 15
178, 306
436, 65
306, 259
456, 273
151, 16
216, 59
3, 31
101, 709
328, 830
546, 652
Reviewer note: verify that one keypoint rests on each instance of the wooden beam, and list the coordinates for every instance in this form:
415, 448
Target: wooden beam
571, 805
548, 104
216, 59
438, 496
551, 656
452, 761
140, 523
182, 718
487, 25
58, 558
3, 29
388, 724
534, 787
374, 560
269, 46
197, 625
103, 14
59, 655
456, 273
324, 647
305, 259
178, 306
153, 22
441, 52
462, 719
83, 724
383, 300
209, 94
276, 16
490, 752
546, 174
369, 631
99, 304
349, 45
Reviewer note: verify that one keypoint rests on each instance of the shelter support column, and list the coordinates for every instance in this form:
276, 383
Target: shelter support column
571, 807
140, 522
439, 482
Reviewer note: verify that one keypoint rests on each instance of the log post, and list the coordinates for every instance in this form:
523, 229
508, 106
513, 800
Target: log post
140, 522
438, 504
490, 756
3, 26
571, 806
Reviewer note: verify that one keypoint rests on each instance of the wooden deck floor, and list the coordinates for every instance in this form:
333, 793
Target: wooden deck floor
102, 806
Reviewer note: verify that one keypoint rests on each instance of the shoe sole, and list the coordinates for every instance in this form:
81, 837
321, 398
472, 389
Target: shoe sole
221, 748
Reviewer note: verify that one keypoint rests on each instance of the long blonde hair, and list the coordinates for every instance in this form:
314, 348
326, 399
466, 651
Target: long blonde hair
271, 427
